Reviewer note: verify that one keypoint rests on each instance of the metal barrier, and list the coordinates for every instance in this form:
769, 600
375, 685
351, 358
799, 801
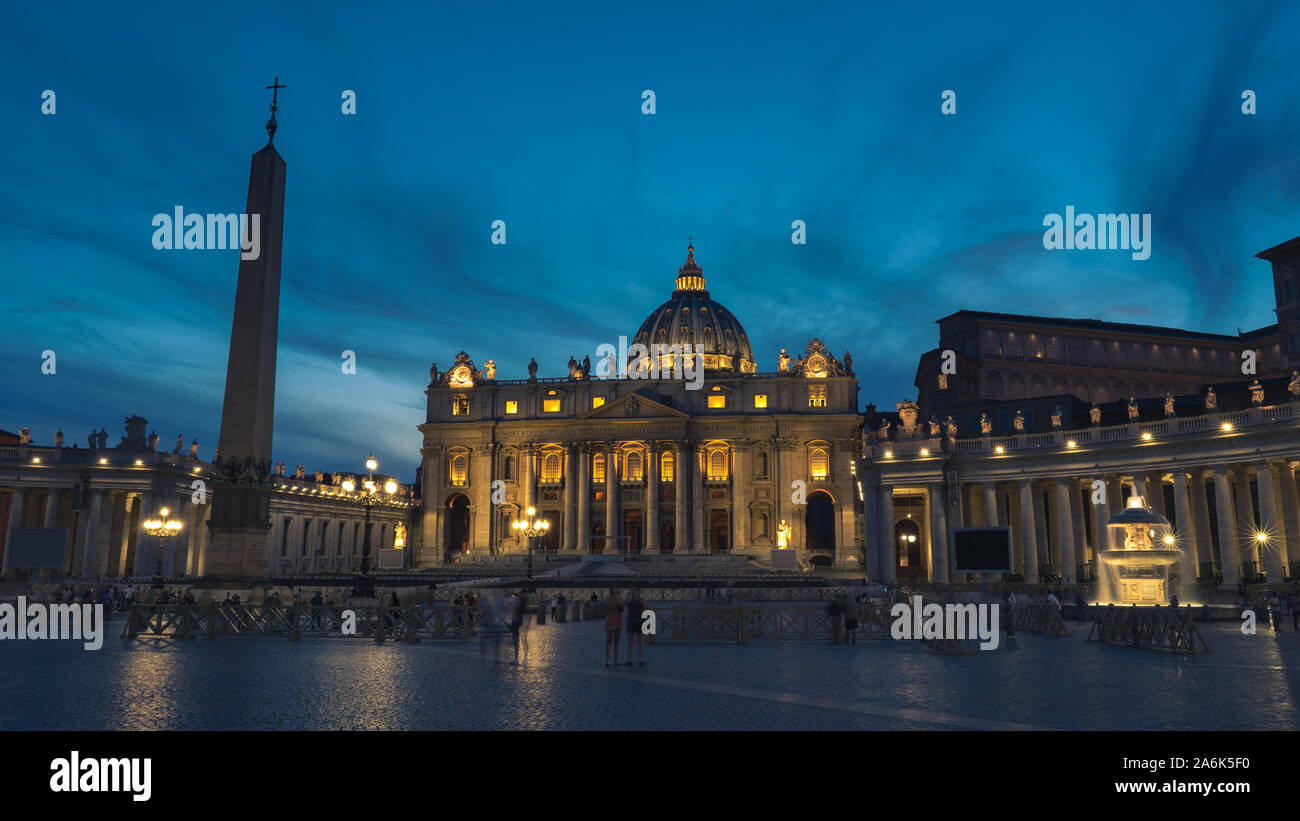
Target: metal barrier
1164, 629
741, 623
293, 621
1040, 618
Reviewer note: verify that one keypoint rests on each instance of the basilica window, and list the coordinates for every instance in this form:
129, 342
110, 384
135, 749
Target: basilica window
508, 468
816, 396
760, 400
460, 406
666, 468
760, 465
459, 469
551, 405
760, 530
598, 467
818, 463
717, 465
632, 467
551, 467
512, 406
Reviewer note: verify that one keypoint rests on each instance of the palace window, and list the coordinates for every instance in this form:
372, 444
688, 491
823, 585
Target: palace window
818, 463
717, 464
666, 468
597, 401
816, 396
551, 405
717, 400
551, 467
459, 469
760, 400
512, 406
598, 467
460, 406
632, 467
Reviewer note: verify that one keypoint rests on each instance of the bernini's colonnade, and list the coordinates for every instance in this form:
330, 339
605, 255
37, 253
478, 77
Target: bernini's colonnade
1222, 480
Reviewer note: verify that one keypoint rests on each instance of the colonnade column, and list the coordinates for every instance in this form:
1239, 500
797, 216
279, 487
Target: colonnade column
1028, 531
938, 535
681, 476
1270, 524
1246, 544
1101, 514
652, 499
1229, 556
1183, 517
584, 497
17, 499
888, 544
1289, 502
90, 536
990, 505
1201, 515
1065, 530
570, 498
612, 544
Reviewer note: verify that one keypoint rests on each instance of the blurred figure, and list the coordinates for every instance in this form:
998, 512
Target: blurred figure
635, 638
613, 621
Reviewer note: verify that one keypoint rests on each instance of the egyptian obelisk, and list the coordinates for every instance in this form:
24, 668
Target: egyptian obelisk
241, 498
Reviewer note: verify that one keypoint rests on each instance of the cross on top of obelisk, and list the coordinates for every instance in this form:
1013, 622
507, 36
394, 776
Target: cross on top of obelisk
274, 107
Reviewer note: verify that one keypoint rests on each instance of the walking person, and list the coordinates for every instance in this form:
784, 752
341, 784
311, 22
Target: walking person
1009, 605
515, 615
1274, 611
613, 622
850, 619
1293, 602
635, 638
833, 610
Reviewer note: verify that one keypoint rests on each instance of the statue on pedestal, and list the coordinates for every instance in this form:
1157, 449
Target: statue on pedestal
933, 422
951, 425
180, 443
1169, 404
58, 438
1294, 385
532, 370
433, 373
153, 440
490, 370
883, 433
783, 362
573, 369
1256, 393
320, 476
279, 468
300, 472
337, 479
986, 424
1018, 421
848, 362
1057, 413
1094, 414
25, 436
1211, 400
1132, 409
194, 448
90, 439
101, 439
783, 535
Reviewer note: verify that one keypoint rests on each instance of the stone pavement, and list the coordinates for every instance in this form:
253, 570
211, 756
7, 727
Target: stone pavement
1248, 682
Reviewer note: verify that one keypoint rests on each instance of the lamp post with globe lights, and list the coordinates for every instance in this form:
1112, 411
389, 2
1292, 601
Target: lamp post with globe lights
532, 527
162, 527
363, 584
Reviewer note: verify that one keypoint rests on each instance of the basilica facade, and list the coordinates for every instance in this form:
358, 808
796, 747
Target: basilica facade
678, 445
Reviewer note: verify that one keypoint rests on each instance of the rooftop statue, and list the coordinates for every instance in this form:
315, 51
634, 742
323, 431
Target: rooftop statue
1094, 414
1169, 404
1294, 385
1211, 400
1057, 413
1132, 409
1256, 393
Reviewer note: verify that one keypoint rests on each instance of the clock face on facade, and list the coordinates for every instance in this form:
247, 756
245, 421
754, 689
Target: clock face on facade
816, 366
460, 377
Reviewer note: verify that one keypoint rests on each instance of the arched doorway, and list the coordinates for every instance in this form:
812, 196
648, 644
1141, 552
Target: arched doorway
550, 543
667, 538
907, 539
719, 531
457, 535
632, 530
598, 538
819, 522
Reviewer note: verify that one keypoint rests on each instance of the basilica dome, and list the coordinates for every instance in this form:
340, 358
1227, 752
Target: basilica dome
692, 318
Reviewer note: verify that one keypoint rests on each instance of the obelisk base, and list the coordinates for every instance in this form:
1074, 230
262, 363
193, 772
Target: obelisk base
236, 551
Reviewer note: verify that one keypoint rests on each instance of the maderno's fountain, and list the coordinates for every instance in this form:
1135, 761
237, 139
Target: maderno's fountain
1138, 572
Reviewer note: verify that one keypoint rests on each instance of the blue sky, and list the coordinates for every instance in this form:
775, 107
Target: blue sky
531, 113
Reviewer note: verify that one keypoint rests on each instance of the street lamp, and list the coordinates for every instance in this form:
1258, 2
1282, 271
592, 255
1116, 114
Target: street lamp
162, 528
531, 527
363, 585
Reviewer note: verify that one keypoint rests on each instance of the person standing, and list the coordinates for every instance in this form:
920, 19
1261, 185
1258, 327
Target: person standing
1294, 603
635, 638
1274, 611
833, 610
613, 621
515, 614
850, 619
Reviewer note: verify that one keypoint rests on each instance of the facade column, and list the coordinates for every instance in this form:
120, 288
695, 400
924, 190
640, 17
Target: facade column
199, 561
1065, 531
1028, 531
1229, 557
739, 476
1201, 515
990, 505
89, 538
612, 530
1270, 524
1079, 529
1101, 512
1246, 544
888, 543
527, 476
1156, 487
17, 499
1183, 523
698, 456
101, 536
131, 504
938, 535
431, 482
570, 541
652, 499
1289, 502
871, 548
1042, 537
584, 498
681, 476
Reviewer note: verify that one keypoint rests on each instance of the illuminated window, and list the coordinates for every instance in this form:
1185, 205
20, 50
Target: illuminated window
460, 406
718, 465
551, 405
760, 400
512, 407
666, 467
632, 468
598, 467
818, 463
816, 396
551, 467
459, 468
717, 400
597, 401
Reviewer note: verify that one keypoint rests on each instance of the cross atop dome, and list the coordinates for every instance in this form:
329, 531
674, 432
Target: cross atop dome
689, 276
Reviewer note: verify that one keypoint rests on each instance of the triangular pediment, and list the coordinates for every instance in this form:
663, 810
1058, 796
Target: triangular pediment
634, 406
